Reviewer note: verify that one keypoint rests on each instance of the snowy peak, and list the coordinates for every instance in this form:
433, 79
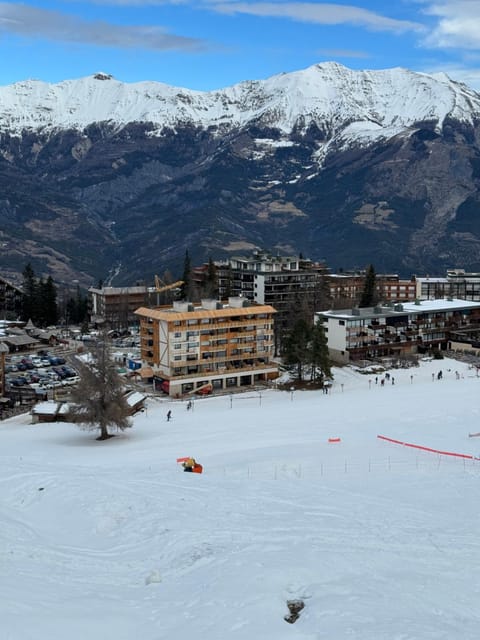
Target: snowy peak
330, 95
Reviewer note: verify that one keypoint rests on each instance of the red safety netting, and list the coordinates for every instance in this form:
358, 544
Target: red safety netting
429, 449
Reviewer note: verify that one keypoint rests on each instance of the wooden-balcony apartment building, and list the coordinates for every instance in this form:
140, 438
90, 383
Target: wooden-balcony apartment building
214, 345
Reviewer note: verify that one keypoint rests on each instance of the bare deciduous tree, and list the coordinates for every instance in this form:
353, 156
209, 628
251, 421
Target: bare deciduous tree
99, 399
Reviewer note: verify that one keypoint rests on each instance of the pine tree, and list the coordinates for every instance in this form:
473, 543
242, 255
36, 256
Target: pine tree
29, 296
297, 346
211, 283
319, 355
369, 294
99, 400
48, 293
187, 277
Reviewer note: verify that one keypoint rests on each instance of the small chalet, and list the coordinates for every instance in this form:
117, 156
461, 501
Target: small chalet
50, 411
136, 401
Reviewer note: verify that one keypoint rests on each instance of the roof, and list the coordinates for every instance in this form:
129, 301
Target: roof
441, 304
19, 341
115, 291
135, 398
47, 408
63, 409
145, 372
170, 315
419, 307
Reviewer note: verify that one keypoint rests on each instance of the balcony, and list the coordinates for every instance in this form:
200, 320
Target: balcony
238, 368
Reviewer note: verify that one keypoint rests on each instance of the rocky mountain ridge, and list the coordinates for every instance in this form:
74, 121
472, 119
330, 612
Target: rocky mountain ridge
101, 177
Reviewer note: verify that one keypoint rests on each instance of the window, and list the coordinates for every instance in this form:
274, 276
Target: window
341, 323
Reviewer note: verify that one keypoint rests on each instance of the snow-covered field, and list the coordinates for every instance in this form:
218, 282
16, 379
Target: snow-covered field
111, 540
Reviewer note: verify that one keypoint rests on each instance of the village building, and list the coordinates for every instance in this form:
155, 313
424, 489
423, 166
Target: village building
375, 332
457, 284
17, 342
282, 280
273, 280
116, 306
135, 401
199, 348
50, 411
10, 300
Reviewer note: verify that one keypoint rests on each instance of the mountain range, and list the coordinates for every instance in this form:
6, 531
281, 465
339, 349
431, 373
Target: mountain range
101, 179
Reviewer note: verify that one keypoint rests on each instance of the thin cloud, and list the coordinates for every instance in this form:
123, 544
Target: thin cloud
323, 13
27, 21
457, 25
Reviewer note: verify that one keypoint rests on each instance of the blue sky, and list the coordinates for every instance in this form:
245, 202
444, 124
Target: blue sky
208, 44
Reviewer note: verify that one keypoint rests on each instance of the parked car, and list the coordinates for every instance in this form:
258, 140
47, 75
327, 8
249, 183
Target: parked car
18, 382
69, 371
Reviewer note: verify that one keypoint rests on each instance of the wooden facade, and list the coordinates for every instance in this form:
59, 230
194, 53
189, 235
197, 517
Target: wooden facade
222, 345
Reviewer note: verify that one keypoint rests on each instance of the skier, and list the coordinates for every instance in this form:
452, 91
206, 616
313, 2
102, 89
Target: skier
169, 415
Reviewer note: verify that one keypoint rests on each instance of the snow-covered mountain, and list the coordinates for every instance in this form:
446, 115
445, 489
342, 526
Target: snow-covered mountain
351, 166
380, 103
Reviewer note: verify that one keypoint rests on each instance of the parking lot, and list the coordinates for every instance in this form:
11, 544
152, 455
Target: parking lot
43, 371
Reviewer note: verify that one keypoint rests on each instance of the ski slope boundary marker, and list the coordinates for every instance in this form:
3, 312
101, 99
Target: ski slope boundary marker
466, 456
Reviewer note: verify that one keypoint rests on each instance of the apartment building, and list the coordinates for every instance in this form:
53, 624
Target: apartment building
388, 287
375, 332
268, 279
192, 348
116, 306
281, 280
457, 284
